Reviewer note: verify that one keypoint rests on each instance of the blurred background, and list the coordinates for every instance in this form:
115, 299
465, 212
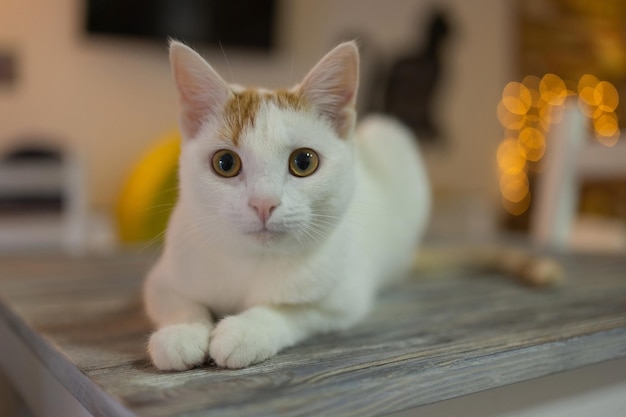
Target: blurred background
88, 110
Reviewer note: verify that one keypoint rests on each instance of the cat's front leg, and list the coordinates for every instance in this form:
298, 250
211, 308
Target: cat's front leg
184, 327
260, 332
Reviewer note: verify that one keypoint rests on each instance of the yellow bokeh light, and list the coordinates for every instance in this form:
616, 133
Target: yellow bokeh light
532, 119
509, 120
587, 80
550, 115
516, 98
532, 143
519, 208
606, 125
552, 89
590, 110
532, 82
606, 96
609, 141
586, 89
536, 101
528, 109
514, 187
587, 99
509, 159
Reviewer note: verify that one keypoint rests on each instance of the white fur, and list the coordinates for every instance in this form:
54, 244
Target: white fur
333, 240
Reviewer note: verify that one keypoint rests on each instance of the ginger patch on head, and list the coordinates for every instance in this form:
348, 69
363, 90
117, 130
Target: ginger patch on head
239, 113
241, 110
286, 99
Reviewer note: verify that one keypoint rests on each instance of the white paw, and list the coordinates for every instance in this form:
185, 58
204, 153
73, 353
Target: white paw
236, 343
179, 346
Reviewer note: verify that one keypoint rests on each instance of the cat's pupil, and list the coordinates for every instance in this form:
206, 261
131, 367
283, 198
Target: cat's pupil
226, 162
303, 160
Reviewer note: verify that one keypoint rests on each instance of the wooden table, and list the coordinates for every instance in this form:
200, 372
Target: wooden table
429, 339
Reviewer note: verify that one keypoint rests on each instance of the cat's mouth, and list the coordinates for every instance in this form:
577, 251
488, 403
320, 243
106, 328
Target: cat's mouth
266, 235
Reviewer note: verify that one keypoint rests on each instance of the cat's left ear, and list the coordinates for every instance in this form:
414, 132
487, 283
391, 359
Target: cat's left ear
331, 87
202, 92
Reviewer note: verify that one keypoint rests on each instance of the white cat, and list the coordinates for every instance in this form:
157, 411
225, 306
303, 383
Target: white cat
289, 218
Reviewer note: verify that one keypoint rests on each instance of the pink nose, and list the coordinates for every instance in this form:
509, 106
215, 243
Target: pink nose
264, 207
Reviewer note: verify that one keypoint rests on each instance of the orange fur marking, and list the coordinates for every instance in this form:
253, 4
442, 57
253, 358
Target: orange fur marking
241, 110
286, 99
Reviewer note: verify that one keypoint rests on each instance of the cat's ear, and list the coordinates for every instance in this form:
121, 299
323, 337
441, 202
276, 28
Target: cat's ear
202, 92
331, 86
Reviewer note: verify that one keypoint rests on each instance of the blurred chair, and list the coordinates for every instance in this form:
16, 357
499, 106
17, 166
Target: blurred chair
571, 157
43, 203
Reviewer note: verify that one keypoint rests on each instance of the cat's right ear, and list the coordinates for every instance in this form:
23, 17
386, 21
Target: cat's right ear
202, 92
331, 86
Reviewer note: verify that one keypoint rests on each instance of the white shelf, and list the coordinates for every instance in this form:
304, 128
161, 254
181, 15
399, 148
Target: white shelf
26, 179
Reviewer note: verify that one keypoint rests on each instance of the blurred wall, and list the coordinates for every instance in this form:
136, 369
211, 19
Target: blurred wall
110, 98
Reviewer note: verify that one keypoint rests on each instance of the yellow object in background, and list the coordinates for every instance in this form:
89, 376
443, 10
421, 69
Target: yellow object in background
150, 192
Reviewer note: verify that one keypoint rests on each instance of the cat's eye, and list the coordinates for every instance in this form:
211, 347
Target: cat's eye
226, 163
303, 162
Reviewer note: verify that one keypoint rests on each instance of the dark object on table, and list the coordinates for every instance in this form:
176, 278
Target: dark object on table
413, 81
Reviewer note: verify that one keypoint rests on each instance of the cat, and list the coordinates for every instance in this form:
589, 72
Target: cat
290, 216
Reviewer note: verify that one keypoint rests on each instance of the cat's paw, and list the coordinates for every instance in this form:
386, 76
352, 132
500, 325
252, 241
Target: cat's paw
236, 343
179, 346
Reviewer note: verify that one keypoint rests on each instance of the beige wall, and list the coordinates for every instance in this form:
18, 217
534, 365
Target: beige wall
112, 98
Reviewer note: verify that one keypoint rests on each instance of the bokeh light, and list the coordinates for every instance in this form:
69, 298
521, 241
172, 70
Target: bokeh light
527, 112
606, 125
586, 88
510, 160
510, 120
587, 95
550, 115
532, 143
516, 98
606, 96
519, 208
514, 187
552, 89
532, 82
609, 141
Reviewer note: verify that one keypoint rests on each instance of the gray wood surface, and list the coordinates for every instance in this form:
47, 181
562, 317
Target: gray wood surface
428, 339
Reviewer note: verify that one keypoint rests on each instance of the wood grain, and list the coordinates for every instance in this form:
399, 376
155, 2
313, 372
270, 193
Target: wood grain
428, 339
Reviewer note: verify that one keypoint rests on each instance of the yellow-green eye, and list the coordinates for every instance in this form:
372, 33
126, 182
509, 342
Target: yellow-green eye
226, 163
303, 162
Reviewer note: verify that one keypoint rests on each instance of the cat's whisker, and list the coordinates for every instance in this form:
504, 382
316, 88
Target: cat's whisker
168, 205
153, 209
167, 190
154, 242
293, 56
148, 213
308, 237
316, 231
230, 70
319, 231
328, 221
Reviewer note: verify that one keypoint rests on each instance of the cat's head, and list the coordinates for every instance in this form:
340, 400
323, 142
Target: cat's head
271, 169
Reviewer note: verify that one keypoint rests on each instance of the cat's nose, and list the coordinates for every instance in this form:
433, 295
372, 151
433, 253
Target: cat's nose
264, 206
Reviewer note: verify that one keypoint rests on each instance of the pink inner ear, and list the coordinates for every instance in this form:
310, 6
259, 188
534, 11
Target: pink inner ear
202, 92
191, 120
196, 108
332, 84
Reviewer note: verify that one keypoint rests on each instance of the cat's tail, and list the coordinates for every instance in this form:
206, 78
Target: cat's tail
527, 268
